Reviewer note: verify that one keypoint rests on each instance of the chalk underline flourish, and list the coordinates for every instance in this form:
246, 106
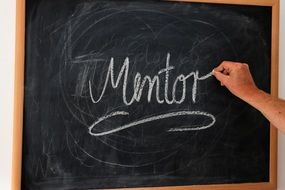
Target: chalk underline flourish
150, 119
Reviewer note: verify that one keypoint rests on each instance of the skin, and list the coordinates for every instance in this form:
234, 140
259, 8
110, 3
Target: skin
236, 77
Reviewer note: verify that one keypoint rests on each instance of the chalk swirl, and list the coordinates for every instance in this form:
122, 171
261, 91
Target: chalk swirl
150, 119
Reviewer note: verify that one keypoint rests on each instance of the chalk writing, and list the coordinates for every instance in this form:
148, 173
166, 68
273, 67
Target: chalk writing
139, 84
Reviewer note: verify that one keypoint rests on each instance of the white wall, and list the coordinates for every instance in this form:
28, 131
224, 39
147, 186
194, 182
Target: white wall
281, 137
7, 41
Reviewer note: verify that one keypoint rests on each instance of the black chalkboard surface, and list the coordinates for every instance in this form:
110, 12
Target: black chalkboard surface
120, 94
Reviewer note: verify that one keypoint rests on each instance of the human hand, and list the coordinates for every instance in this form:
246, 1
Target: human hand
237, 78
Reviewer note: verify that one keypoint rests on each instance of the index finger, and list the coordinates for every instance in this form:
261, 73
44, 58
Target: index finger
226, 65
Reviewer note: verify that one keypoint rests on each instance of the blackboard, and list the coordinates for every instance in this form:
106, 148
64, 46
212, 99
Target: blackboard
120, 94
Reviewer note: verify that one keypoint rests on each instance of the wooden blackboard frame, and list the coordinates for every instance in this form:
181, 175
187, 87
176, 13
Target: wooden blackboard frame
19, 100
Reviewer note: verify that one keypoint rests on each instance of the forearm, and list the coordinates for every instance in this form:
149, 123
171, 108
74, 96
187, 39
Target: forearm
272, 108
237, 78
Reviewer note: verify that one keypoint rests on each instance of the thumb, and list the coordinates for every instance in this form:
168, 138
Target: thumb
220, 76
